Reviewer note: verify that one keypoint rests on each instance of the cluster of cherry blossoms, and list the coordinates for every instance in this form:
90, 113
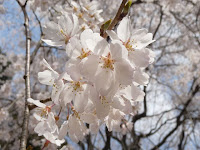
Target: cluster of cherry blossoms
100, 84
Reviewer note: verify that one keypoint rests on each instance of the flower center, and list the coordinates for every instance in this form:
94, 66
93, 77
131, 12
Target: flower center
75, 9
128, 45
108, 62
77, 85
84, 54
103, 100
65, 36
45, 111
80, 15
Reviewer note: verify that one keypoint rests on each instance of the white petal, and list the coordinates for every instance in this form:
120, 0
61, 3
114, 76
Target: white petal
63, 130
76, 25
124, 72
123, 30
137, 93
89, 67
36, 102
140, 58
140, 77
53, 43
56, 90
67, 95
65, 24
104, 80
40, 128
88, 118
80, 101
46, 77
112, 35
102, 109
94, 128
47, 65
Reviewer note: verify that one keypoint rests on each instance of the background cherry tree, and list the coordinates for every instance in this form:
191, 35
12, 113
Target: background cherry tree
165, 117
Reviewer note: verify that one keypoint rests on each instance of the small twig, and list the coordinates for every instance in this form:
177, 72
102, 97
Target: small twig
31, 107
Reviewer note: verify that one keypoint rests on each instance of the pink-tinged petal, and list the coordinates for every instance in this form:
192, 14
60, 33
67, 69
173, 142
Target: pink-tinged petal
36, 102
123, 30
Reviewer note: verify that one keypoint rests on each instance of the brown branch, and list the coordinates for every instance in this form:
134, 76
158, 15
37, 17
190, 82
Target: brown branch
108, 138
24, 135
31, 107
139, 116
178, 120
160, 21
116, 19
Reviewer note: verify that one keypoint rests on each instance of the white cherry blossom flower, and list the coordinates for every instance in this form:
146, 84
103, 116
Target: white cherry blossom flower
59, 34
132, 40
135, 43
110, 67
51, 77
75, 129
76, 91
113, 120
43, 109
49, 130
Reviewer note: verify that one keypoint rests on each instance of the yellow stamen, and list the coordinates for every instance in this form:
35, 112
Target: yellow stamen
65, 36
84, 54
108, 62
